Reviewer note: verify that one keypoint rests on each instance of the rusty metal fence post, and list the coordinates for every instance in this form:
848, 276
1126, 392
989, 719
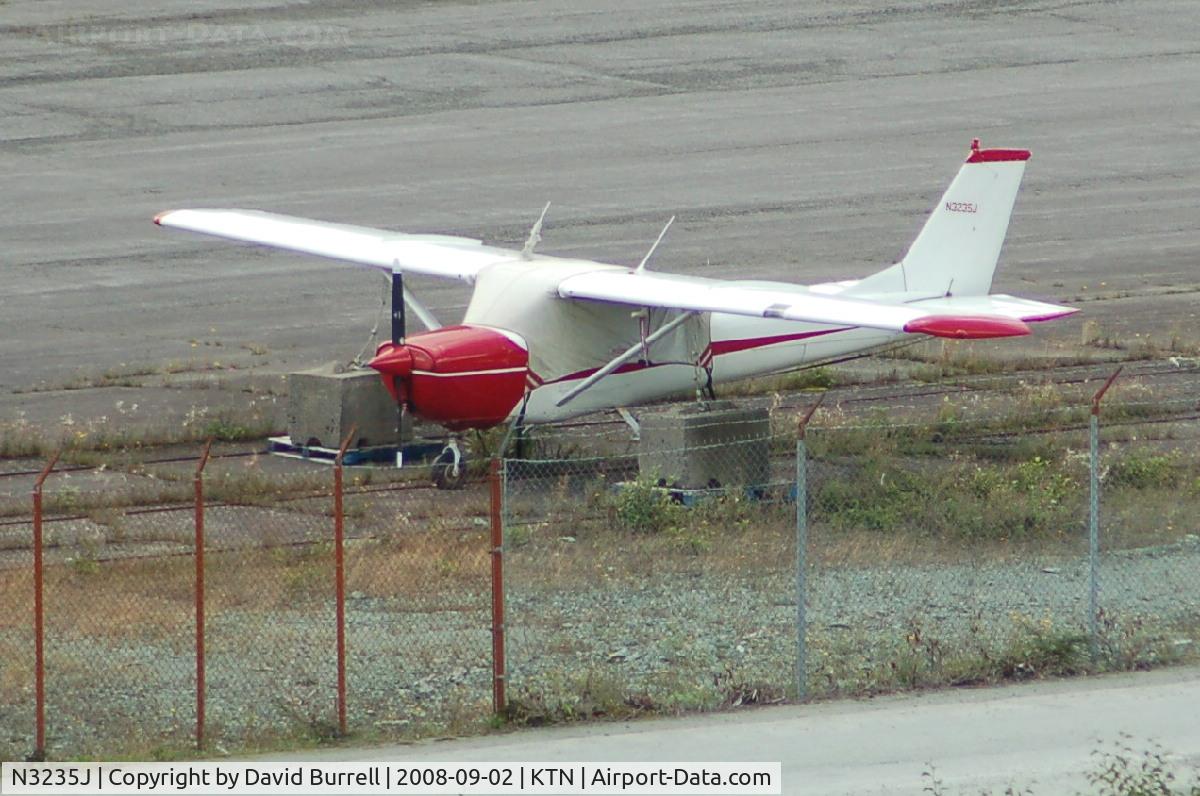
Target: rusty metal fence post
339, 557
1094, 519
198, 483
39, 650
499, 675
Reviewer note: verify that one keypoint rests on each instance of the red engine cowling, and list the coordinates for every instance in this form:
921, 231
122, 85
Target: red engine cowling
459, 376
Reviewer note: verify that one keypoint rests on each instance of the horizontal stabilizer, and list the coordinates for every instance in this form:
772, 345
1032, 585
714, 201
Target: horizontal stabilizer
998, 305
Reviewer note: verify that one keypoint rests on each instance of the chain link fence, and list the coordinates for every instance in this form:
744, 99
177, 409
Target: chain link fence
942, 557
651, 588
418, 605
947, 545
120, 615
1148, 565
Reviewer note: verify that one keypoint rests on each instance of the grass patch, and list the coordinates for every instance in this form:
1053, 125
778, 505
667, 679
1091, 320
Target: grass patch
96, 442
814, 378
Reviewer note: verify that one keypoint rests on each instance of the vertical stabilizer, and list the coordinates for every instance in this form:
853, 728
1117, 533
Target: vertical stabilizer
957, 249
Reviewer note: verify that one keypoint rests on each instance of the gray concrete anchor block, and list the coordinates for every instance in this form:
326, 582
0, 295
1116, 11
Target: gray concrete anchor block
697, 444
323, 404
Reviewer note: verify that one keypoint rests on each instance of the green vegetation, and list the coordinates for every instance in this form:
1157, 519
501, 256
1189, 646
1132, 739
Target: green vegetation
1032, 499
105, 440
1120, 768
1124, 770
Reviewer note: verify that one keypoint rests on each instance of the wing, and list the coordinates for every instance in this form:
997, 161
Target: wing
432, 255
980, 318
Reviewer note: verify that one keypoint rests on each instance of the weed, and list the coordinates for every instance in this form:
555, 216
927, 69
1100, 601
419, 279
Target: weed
959, 497
852, 664
1039, 649
567, 698
812, 378
1125, 771
736, 692
936, 787
309, 723
85, 563
1132, 644
1138, 469
643, 506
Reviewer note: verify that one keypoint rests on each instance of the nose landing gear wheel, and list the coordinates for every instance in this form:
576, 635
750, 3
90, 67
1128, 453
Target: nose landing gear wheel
450, 468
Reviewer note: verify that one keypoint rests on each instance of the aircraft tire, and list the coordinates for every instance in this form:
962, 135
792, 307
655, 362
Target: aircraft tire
443, 471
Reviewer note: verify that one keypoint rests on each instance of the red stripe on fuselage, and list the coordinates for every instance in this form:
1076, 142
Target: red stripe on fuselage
715, 348
721, 347
628, 367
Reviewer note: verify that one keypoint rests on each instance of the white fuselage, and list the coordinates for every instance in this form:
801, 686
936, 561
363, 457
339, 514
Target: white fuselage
568, 341
662, 381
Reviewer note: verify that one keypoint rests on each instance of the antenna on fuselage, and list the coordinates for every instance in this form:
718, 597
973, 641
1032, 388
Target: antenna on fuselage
535, 235
642, 265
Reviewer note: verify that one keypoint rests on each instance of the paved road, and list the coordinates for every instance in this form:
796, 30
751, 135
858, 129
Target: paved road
793, 141
1039, 736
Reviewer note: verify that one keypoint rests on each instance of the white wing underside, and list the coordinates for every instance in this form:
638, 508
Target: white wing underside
433, 255
463, 258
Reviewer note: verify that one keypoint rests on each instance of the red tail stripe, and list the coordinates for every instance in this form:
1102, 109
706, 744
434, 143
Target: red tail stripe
998, 155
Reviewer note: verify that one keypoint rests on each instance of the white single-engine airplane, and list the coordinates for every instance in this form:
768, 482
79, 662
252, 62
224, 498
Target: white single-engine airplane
547, 338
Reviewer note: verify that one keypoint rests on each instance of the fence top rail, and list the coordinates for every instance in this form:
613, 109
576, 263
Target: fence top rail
204, 457
1099, 396
341, 454
41, 479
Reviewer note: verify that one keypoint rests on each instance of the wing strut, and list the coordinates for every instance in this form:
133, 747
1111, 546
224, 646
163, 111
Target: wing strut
629, 354
427, 318
403, 298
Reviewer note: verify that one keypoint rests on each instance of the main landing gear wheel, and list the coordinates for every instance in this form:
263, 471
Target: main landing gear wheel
450, 467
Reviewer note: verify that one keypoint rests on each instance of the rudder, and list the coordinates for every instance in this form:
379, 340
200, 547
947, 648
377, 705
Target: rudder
957, 249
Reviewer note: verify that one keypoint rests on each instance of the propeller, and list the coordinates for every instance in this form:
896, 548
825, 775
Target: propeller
398, 312
399, 321
402, 299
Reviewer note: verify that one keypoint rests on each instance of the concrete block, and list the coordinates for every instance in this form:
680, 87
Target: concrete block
323, 404
698, 444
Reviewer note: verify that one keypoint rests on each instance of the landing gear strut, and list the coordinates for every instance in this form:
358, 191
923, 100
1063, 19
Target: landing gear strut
450, 467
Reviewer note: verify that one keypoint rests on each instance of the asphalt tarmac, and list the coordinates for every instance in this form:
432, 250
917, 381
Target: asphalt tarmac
793, 141
1041, 738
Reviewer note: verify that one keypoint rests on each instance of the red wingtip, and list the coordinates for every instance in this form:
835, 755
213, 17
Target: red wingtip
967, 327
159, 217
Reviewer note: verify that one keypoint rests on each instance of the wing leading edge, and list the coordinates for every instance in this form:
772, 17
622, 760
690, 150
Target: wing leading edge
433, 255
446, 256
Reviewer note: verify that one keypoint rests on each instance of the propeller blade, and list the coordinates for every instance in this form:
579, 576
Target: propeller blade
398, 319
